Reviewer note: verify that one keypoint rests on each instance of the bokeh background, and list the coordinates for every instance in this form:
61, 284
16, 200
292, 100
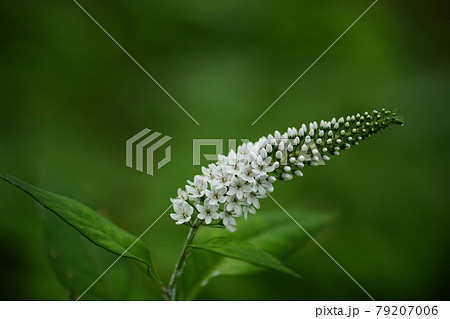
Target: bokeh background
70, 98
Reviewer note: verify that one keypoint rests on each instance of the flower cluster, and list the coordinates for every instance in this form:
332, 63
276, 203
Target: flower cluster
229, 188
233, 186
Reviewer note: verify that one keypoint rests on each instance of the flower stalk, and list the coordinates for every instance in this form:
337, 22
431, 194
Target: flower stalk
171, 291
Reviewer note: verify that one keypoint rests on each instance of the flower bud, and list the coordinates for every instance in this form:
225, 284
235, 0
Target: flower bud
263, 153
298, 173
304, 148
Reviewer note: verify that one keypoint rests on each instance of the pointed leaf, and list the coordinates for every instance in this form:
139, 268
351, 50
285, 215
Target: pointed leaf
77, 262
272, 231
90, 224
242, 250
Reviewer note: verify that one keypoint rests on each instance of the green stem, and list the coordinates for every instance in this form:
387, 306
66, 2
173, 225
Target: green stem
172, 289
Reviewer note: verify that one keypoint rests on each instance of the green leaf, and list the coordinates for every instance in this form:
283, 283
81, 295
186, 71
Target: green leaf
242, 250
76, 263
271, 231
90, 224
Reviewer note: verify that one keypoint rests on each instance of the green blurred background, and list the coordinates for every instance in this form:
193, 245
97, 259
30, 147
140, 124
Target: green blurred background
70, 98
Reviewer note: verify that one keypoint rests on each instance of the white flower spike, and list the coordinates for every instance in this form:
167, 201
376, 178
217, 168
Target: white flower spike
232, 187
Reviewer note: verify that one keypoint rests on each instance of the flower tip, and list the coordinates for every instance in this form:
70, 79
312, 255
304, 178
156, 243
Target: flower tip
298, 173
398, 120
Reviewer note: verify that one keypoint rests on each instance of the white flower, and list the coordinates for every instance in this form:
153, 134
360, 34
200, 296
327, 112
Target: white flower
208, 172
198, 187
183, 212
250, 151
248, 209
238, 187
222, 176
262, 166
228, 220
233, 162
233, 204
262, 185
246, 172
253, 198
222, 159
228, 217
216, 194
182, 196
208, 212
